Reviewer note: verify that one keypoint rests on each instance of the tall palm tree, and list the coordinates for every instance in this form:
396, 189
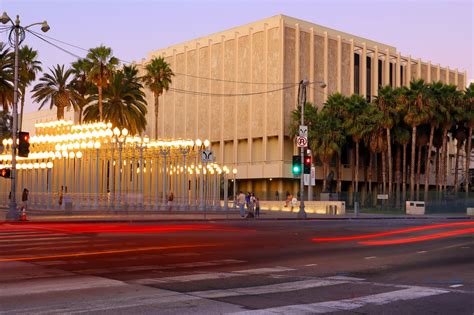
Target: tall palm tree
55, 88
158, 78
355, 125
402, 136
81, 84
387, 102
468, 101
29, 65
124, 104
6, 77
103, 65
414, 101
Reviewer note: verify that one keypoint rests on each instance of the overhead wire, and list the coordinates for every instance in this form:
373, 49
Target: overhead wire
57, 46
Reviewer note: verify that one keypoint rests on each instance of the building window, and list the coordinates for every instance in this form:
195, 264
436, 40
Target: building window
368, 81
402, 75
356, 74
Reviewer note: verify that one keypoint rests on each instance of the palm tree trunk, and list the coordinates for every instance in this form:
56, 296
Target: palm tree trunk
389, 157
356, 171
353, 157
397, 176
438, 169
444, 165
80, 116
468, 160
99, 87
412, 163
404, 173
324, 177
60, 112
428, 163
384, 171
456, 163
339, 177
369, 175
156, 115
418, 172
20, 121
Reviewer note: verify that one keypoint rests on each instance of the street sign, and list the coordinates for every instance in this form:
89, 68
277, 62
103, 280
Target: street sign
301, 142
306, 179
382, 197
207, 156
313, 176
303, 131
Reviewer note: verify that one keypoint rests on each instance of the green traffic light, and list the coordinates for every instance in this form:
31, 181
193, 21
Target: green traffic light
296, 169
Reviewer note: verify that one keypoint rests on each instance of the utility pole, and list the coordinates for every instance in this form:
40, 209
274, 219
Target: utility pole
302, 101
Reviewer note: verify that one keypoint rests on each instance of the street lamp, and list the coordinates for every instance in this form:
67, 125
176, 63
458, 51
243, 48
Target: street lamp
302, 100
234, 172
19, 35
120, 137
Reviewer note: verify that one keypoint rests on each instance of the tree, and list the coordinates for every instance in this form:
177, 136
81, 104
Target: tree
373, 135
103, 65
55, 88
6, 77
402, 136
387, 102
414, 103
29, 65
468, 102
355, 124
158, 79
124, 104
81, 84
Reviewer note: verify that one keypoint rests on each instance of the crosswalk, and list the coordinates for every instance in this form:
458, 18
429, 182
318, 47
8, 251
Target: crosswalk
200, 286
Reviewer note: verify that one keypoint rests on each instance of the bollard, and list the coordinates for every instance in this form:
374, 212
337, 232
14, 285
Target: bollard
356, 208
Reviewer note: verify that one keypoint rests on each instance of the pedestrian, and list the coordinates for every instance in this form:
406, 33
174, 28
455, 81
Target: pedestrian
170, 200
252, 202
24, 199
257, 207
277, 195
60, 199
247, 200
242, 201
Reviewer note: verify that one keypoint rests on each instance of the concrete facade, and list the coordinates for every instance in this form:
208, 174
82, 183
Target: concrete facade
262, 63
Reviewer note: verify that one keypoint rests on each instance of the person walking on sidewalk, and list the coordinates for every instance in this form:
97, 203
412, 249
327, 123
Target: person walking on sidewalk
24, 199
242, 203
257, 207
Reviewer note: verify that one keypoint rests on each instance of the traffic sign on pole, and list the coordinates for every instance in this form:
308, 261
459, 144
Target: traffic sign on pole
303, 131
302, 142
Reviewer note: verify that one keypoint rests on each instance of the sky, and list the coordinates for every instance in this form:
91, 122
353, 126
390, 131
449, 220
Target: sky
436, 30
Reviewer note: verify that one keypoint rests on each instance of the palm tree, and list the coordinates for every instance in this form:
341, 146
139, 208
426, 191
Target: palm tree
414, 101
355, 125
6, 77
387, 102
29, 65
402, 136
158, 79
55, 88
81, 84
326, 139
468, 101
124, 104
103, 65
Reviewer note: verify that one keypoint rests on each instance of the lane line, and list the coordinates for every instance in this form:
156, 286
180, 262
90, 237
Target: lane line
345, 278
310, 265
421, 252
456, 285
351, 304
211, 275
105, 252
266, 289
370, 257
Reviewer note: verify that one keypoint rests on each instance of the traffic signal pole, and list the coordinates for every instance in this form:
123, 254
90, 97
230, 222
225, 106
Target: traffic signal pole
302, 101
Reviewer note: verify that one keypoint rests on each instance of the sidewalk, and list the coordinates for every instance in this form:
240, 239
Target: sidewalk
181, 215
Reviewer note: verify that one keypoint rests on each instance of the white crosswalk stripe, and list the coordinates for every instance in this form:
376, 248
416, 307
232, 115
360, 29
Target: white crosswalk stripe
350, 304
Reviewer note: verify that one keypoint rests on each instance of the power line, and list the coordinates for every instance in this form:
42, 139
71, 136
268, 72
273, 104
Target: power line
176, 73
198, 93
57, 46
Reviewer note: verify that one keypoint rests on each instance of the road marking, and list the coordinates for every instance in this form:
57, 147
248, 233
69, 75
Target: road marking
208, 263
266, 289
55, 284
105, 252
211, 275
421, 252
310, 265
456, 285
344, 278
370, 257
264, 270
351, 304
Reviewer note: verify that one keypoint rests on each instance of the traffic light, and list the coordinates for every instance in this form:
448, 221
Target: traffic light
296, 168
23, 144
5, 172
307, 165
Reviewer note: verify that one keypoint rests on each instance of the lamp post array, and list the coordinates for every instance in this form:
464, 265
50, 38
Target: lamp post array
96, 166
16, 37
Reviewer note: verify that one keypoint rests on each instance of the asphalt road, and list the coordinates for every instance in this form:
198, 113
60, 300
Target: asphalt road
246, 267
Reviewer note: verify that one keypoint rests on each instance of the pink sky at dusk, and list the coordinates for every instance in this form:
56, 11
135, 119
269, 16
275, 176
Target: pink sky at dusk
440, 31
